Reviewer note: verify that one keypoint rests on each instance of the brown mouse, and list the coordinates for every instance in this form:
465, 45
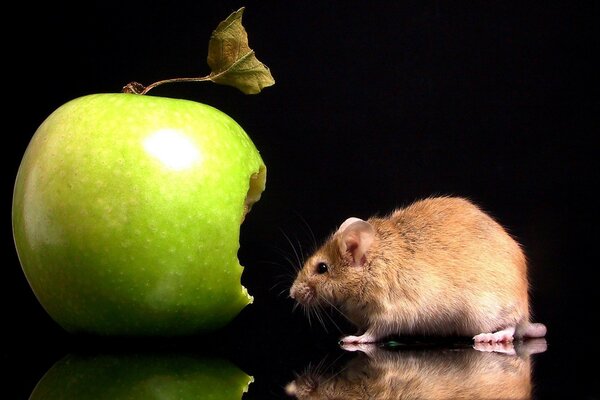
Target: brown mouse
439, 267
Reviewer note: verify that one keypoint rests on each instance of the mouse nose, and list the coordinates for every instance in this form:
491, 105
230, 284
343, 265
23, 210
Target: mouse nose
293, 292
302, 293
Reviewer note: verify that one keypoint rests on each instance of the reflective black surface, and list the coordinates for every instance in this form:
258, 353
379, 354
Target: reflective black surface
283, 352
376, 104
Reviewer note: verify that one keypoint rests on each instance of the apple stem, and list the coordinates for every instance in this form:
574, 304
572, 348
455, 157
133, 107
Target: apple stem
138, 88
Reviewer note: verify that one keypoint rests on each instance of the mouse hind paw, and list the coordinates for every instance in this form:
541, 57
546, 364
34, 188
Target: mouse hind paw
502, 336
532, 330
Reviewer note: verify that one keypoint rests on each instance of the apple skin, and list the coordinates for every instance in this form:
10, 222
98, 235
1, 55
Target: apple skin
127, 211
142, 376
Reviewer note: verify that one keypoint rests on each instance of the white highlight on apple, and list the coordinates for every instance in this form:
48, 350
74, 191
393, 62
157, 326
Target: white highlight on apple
172, 148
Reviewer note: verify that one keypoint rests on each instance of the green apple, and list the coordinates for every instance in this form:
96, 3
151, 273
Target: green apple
127, 211
143, 376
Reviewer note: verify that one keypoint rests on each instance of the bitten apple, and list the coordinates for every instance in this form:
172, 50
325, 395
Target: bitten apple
127, 211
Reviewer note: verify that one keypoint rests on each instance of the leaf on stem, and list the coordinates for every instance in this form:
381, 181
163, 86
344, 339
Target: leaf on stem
232, 61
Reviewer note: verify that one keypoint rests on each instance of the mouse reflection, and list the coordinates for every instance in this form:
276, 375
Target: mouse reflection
498, 371
141, 376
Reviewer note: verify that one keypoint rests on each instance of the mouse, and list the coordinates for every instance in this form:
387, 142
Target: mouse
441, 266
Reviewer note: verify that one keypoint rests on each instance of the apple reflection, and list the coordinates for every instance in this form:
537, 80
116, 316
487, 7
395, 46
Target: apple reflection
142, 376
408, 372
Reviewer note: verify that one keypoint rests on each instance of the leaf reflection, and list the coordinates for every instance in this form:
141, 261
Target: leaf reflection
425, 372
142, 376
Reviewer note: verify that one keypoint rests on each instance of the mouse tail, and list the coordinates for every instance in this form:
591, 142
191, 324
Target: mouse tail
530, 330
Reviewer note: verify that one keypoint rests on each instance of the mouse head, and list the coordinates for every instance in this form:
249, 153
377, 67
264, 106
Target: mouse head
336, 272
314, 385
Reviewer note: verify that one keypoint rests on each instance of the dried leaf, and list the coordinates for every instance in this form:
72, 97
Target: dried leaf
232, 61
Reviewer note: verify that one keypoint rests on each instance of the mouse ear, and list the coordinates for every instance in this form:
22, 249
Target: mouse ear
355, 237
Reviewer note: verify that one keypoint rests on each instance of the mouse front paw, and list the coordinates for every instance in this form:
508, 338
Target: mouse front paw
362, 339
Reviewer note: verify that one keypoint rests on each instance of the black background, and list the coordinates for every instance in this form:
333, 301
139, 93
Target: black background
376, 104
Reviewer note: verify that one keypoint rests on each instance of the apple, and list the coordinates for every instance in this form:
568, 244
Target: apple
142, 376
127, 211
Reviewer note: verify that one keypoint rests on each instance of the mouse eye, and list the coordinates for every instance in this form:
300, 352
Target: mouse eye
322, 268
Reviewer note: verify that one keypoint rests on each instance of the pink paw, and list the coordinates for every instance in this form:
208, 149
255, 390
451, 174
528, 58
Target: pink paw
368, 348
362, 339
495, 347
505, 335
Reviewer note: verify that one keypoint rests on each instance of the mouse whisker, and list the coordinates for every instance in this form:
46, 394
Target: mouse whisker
295, 307
307, 314
292, 263
283, 291
336, 309
315, 313
311, 233
331, 318
320, 367
282, 280
334, 323
338, 371
318, 370
319, 314
279, 264
299, 259
286, 260
302, 254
